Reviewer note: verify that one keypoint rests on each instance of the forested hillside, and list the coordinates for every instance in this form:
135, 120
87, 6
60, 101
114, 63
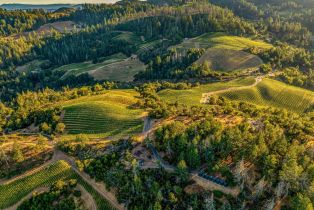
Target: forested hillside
158, 104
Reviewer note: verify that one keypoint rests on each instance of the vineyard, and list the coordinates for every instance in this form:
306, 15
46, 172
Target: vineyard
229, 60
110, 114
116, 67
194, 95
274, 93
220, 40
15, 191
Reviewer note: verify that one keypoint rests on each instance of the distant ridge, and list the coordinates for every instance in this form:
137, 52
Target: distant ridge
48, 7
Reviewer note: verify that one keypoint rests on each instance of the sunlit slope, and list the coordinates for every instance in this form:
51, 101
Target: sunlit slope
227, 60
274, 93
225, 52
15, 191
222, 41
194, 95
107, 115
117, 67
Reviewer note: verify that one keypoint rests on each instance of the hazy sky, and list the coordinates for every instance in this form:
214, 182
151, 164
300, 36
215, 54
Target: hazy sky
55, 1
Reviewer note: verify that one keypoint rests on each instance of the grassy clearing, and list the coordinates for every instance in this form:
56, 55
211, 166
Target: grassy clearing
194, 95
31, 66
277, 94
116, 68
47, 29
229, 60
107, 115
128, 37
15, 191
222, 41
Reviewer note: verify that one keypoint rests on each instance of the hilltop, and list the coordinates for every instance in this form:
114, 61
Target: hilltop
48, 7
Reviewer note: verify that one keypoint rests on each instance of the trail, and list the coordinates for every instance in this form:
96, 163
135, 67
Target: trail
89, 202
205, 96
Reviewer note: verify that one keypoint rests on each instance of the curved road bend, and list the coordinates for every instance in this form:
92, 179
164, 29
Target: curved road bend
205, 96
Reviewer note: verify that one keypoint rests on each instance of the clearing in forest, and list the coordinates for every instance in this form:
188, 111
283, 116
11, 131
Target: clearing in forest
224, 52
111, 114
47, 29
228, 60
115, 68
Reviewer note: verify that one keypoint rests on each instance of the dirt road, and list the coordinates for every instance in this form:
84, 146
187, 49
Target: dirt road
205, 96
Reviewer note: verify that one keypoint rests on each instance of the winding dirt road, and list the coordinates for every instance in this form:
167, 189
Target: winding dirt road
205, 96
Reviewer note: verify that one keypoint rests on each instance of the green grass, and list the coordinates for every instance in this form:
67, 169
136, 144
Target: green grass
15, 191
30, 66
194, 95
222, 41
116, 68
128, 37
107, 115
276, 94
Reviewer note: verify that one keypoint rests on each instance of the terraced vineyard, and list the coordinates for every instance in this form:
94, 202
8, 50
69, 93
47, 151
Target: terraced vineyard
194, 95
110, 114
274, 93
15, 191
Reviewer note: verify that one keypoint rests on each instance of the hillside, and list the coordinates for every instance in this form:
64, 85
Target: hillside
227, 60
157, 104
49, 28
107, 115
194, 95
221, 40
276, 94
117, 67
49, 7
225, 53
